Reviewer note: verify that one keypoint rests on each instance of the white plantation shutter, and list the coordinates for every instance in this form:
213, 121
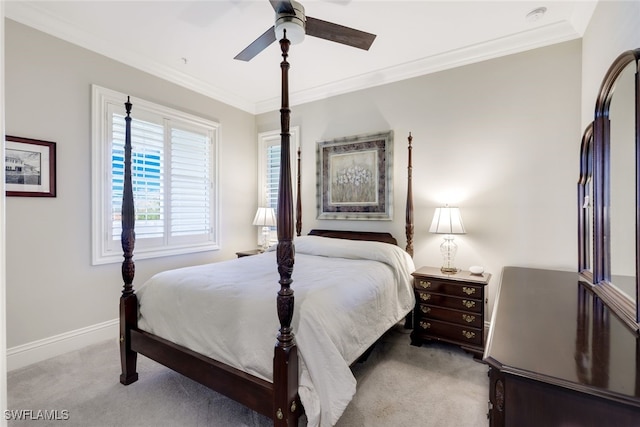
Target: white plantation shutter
269, 149
174, 162
190, 183
273, 175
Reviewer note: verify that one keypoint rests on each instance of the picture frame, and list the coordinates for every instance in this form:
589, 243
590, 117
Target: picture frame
30, 167
354, 177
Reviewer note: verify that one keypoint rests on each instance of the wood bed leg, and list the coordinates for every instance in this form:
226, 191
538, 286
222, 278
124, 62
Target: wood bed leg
128, 320
128, 300
287, 405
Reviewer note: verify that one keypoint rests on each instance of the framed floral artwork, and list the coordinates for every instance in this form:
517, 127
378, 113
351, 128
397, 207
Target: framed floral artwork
30, 167
354, 177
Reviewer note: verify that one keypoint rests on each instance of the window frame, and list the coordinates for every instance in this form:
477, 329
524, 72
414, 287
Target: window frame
106, 250
266, 139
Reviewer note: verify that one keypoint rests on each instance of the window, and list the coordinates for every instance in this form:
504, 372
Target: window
174, 179
269, 170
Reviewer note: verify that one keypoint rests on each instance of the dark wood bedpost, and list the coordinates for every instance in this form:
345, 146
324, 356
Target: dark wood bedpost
128, 300
285, 360
299, 200
408, 224
409, 210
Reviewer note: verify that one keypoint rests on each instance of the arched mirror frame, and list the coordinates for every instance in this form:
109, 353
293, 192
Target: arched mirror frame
585, 205
626, 309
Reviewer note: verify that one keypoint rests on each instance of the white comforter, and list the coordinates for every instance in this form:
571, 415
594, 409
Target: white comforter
347, 294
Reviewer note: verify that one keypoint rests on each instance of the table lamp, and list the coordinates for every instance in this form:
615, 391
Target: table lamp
265, 217
447, 221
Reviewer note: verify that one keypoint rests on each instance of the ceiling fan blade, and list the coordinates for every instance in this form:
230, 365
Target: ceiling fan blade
339, 33
284, 6
257, 46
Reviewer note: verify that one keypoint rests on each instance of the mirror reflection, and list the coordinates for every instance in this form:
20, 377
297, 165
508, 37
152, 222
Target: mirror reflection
622, 189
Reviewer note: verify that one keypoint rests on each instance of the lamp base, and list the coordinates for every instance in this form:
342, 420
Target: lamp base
265, 239
448, 249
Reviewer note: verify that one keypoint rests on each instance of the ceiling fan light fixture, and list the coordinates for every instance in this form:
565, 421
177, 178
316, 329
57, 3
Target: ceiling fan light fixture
295, 31
293, 23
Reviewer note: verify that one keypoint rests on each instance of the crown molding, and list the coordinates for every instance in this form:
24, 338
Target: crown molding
36, 17
516, 43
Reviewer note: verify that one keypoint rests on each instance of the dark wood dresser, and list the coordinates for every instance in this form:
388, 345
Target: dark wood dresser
450, 307
558, 356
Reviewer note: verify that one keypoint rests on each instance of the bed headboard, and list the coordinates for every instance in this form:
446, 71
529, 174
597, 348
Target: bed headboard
356, 235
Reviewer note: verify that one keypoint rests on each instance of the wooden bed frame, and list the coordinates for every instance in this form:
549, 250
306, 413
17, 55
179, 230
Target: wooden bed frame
278, 400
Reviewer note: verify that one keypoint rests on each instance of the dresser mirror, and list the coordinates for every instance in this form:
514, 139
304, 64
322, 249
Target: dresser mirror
585, 206
622, 172
616, 146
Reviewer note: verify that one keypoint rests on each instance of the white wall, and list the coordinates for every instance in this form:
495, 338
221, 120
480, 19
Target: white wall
52, 288
500, 139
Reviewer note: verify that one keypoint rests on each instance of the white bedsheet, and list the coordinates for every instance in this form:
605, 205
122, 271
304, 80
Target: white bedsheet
347, 294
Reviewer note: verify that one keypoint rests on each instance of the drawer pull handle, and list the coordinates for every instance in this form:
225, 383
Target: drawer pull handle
425, 297
424, 309
425, 284
468, 318
468, 335
468, 304
425, 325
468, 291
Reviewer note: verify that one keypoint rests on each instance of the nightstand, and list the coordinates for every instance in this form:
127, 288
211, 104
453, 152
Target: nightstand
450, 308
248, 253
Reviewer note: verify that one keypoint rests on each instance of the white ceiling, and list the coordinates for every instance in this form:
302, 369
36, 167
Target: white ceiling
192, 43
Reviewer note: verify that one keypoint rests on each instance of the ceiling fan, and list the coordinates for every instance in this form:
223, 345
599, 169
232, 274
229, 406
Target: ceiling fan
290, 16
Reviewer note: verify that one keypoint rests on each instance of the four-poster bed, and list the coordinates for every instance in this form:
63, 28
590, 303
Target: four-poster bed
334, 281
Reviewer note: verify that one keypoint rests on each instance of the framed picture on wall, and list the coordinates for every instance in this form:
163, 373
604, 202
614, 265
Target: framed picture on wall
354, 177
30, 167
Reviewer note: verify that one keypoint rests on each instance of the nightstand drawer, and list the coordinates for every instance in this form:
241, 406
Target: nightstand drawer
441, 287
458, 333
466, 304
453, 316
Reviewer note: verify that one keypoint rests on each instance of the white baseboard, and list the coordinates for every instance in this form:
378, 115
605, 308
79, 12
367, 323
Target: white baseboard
37, 351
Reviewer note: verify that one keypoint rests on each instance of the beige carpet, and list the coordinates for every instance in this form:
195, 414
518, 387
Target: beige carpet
399, 385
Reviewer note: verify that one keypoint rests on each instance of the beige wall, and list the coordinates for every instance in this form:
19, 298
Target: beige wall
500, 139
52, 288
